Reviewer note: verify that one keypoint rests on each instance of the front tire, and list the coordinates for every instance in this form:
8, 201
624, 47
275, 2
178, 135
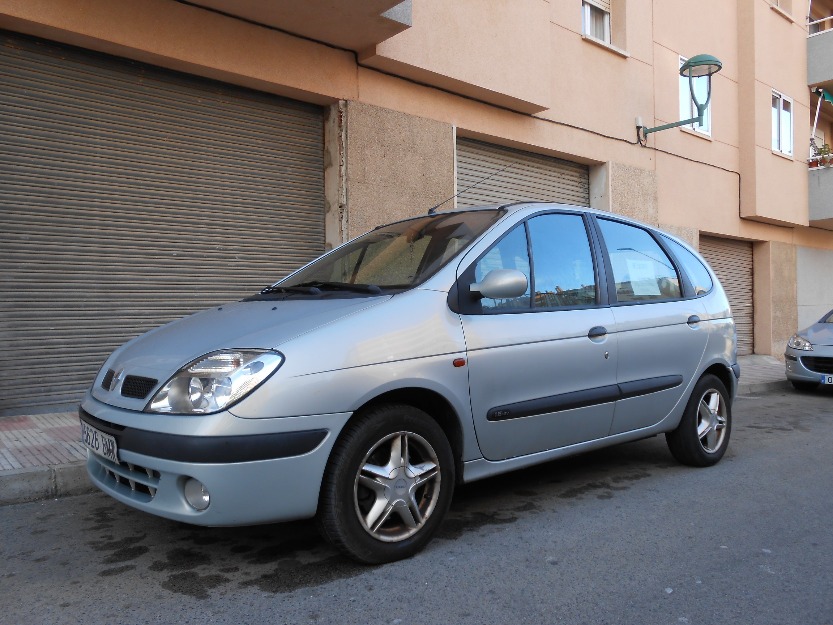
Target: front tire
701, 438
387, 486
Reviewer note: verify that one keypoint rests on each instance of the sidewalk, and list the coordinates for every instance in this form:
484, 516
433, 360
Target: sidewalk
41, 456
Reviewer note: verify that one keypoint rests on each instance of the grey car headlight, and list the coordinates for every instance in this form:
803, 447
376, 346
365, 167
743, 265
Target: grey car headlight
215, 381
799, 342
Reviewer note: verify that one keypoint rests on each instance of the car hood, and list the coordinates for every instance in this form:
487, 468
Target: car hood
160, 353
819, 334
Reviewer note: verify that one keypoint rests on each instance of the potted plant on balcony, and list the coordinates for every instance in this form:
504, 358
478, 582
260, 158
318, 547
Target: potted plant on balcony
825, 158
820, 155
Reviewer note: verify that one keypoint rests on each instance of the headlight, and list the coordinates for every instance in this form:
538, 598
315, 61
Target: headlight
799, 342
215, 381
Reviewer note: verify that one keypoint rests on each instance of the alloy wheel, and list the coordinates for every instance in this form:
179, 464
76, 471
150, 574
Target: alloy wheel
397, 486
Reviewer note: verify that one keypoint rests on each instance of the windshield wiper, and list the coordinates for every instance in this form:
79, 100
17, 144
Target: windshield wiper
297, 288
340, 286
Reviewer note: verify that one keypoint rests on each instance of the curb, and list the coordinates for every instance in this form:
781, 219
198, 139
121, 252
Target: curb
36, 483
755, 388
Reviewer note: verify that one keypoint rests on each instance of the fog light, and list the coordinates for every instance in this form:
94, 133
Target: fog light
196, 494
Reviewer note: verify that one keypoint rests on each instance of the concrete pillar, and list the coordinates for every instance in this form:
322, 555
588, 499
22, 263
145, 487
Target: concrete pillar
633, 192
382, 166
775, 297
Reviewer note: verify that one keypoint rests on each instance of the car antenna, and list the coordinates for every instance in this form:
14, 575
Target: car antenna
433, 209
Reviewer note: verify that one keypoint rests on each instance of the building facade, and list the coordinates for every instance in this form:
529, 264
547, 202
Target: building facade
167, 155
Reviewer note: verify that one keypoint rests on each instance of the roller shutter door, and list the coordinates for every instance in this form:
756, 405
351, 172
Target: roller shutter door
517, 176
131, 196
732, 262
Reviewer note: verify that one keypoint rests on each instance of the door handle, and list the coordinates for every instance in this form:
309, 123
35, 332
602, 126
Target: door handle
597, 332
693, 320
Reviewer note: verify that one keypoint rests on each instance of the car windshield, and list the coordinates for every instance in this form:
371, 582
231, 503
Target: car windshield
828, 318
398, 256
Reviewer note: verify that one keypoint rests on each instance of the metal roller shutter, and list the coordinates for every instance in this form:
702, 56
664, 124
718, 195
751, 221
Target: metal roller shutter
517, 176
732, 262
130, 196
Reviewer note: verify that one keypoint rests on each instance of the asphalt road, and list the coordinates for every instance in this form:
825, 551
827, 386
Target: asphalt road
624, 535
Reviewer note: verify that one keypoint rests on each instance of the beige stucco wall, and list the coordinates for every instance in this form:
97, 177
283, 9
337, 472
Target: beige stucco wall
504, 56
188, 39
775, 187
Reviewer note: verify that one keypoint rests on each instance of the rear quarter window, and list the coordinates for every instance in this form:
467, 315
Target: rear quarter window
700, 278
641, 269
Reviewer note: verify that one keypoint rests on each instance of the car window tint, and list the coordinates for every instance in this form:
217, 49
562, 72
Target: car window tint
697, 272
562, 264
511, 252
641, 269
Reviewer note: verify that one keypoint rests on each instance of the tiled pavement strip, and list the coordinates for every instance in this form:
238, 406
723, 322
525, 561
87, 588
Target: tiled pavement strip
41, 456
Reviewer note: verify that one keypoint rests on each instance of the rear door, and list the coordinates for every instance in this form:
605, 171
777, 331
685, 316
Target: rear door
660, 334
542, 367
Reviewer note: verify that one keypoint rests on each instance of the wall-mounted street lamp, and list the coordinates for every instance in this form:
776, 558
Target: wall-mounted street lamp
695, 67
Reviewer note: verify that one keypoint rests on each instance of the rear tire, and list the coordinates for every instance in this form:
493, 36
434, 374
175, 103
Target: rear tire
702, 436
387, 486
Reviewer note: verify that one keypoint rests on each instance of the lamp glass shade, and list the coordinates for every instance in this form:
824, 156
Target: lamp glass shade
701, 65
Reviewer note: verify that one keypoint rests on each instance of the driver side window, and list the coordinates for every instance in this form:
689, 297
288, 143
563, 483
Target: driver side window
511, 252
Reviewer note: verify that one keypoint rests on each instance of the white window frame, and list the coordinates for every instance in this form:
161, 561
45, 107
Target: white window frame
778, 141
687, 107
586, 9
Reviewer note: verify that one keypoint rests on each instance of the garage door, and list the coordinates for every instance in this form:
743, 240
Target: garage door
131, 196
732, 262
515, 176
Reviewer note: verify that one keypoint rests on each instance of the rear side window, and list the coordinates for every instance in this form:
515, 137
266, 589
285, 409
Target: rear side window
697, 273
642, 271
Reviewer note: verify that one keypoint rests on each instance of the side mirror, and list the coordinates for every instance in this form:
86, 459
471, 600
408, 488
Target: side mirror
500, 284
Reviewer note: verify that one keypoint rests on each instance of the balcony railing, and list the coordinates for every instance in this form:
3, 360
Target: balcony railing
821, 191
820, 53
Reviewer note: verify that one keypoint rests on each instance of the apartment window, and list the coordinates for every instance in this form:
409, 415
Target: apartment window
595, 20
782, 123
687, 107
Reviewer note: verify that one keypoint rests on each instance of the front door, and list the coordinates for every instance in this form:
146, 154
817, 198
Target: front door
542, 367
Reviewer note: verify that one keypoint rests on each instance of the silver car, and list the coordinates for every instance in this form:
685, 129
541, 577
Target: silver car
809, 355
438, 350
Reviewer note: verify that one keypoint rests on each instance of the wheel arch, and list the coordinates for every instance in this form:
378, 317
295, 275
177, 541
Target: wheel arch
435, 406
725, 375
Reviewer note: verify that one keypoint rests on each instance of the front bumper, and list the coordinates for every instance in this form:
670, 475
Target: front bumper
809, 366
255, 470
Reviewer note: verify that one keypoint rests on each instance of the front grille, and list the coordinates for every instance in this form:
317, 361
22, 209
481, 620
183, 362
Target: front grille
108, 379
133, 480
818, 364
137, 387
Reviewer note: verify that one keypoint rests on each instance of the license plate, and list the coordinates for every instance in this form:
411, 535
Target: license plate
827, 379
99, 443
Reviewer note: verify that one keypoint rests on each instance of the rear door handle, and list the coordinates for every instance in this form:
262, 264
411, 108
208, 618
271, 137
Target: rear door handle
597, 332
693, 320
